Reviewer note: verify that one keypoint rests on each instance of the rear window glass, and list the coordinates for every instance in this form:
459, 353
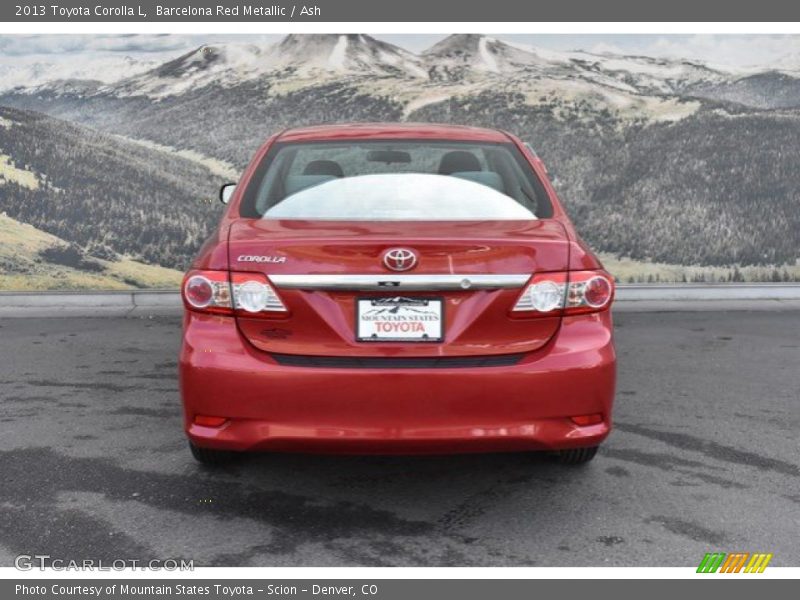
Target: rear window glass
395, 180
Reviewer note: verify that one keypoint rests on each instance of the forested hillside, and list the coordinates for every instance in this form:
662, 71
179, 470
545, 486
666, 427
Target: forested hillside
102, 193
714, 188
226, 123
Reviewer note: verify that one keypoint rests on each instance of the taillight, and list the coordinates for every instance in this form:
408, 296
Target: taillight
253, 295
207, 291
572, 292
247, 294
596, 292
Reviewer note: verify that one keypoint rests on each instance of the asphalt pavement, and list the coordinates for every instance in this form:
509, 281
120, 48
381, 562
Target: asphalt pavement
705, 456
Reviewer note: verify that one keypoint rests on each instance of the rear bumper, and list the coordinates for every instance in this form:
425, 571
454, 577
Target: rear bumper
525, 406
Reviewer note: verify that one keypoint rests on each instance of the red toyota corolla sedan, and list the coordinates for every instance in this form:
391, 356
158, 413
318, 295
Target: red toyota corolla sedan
383, 288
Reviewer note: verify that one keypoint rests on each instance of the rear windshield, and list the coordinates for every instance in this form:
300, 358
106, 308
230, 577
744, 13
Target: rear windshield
396, 180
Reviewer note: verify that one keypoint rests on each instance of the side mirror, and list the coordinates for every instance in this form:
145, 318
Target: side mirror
226, 191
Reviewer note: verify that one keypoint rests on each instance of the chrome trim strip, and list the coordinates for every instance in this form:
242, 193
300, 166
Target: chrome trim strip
390, 281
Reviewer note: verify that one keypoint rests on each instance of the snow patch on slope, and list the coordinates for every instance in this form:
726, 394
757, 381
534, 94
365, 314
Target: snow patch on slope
488, 59
338, 54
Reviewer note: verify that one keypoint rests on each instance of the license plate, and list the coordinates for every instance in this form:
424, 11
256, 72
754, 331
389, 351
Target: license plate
399, 320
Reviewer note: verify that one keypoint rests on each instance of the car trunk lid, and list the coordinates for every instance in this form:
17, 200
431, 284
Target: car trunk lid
468, 272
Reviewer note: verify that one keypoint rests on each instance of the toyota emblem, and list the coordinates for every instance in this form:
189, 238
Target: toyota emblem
400, 259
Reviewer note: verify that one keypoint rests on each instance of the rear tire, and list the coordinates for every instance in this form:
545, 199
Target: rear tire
576, 456
211, 457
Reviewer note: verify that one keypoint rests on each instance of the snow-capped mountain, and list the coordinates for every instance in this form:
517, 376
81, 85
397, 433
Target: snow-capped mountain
102, 69
631, 87
460, 54
296, 55
460, 58
222, 64
457, 59
353, 53
647, 74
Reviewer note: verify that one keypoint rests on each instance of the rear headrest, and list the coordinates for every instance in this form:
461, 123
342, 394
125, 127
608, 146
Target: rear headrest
296, 183
487, 178
458, 160
324, 167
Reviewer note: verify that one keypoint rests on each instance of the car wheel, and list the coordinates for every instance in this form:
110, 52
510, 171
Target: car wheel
211, 457
576, 456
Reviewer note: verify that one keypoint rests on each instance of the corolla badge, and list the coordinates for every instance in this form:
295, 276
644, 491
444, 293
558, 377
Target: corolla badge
261, 259
400, 259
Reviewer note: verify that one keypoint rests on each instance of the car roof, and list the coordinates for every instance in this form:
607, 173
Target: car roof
360, 131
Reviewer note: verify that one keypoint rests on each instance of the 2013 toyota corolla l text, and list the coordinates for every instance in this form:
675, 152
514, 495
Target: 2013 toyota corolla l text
383, 288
